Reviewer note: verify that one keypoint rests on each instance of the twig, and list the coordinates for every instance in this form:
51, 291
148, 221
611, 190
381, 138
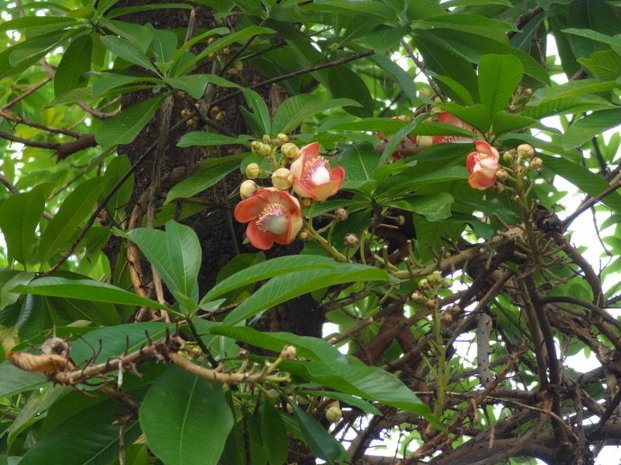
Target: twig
589, 202
420, 65
18, 119
284, 77
106, 199
26, 93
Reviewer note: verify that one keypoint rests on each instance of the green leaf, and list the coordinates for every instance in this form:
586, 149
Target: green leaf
325, 365
285, 287
15, 381
433, 207
19, 216
499, 76
205, 139
268, 269
260, 110
118, 168
126, 50
584, 179
75, 62
571, 89
185, 419
96, 444
222, 42
589, 126
106, 82
273, 433
194, 84
505, 122
359, 161
296, 109
164, 44
405, 81
86, 289
175, 254
207, 175
322, 443
613, 41
393, 188
76, 208
476, 24
383, 125
125, 127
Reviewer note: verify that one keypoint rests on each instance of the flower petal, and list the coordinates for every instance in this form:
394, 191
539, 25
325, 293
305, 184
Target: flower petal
249, 209
261, 240
478, 180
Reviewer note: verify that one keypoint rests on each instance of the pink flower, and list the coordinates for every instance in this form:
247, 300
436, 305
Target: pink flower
272, 216
312, 175
447, 118
482, 165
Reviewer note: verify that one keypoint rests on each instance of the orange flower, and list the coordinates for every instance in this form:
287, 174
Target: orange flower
312, 175
447, 118
272, 216
482, 165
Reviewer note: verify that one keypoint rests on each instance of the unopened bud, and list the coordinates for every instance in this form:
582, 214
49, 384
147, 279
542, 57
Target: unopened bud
423, 284
254, 146
426, 91
264, 150
266, 139
341, 214
511, 108
508, 156
351, 240
306, 202
290, 150
252, 171
536, 163
417, 297
247, 189
528, 92
525, 150
498, 188
424, 141
282, 179
432, 304
238, 65
289, 353
334, 412
281, 139
303, 235
447, 318
502, 175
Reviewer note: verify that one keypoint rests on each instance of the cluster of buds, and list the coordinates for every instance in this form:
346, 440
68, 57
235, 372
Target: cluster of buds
429, 288
224, 57
273, 214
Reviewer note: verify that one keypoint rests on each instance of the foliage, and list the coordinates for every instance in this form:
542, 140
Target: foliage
405, 164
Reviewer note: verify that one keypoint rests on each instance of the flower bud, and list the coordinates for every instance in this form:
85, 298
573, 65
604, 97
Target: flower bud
426, 91
290, 150
303, 236
508, 156
252, 171
417, 297
282, 179
247, 189
254, 146
289, 353
501, 175
511, 108
334, 412
528, 92
431, 304
281, 139
264, 150
525, 150
351, 240
341, 214
423, 284
424, 141
266, 139
306, 202
536, 163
